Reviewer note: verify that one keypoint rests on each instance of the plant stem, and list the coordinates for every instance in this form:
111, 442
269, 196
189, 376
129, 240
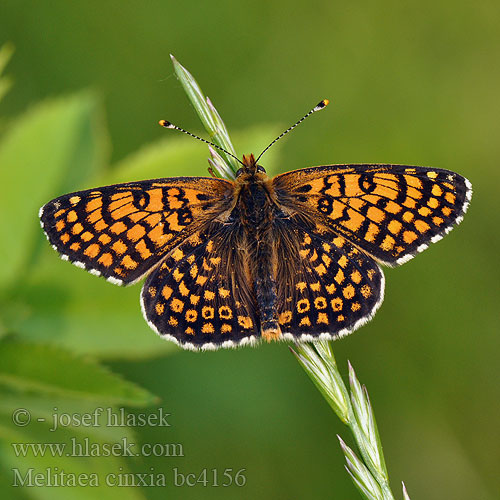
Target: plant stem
354, 409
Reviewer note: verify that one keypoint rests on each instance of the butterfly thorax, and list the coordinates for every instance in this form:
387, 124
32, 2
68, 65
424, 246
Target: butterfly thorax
253, 196
255, 209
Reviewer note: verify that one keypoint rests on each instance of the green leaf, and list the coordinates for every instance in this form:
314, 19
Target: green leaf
42, 409
174, 156
6, 52
51, 149
47, 369
52, 463
63, 305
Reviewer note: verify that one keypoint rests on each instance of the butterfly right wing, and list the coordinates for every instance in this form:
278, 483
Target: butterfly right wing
392, 212
121, 232
326, 287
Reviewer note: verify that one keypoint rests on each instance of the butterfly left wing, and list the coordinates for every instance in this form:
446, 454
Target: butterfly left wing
200, 295
121, 232
391, 212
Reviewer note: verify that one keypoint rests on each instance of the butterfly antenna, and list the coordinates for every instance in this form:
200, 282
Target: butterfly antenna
167, 124
318, 107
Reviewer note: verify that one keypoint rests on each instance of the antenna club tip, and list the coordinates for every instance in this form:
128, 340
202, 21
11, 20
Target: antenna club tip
166, 124
323, 104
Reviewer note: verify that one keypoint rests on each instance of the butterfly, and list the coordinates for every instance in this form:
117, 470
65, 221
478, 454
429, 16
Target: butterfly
226, 263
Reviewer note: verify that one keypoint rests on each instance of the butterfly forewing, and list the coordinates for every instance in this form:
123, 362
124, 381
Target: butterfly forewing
390, 211
122, 231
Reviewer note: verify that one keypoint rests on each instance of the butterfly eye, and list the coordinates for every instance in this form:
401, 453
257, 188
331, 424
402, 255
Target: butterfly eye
260, 169
239, 172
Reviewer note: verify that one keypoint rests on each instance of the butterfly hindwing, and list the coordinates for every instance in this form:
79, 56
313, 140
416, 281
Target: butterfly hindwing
326, 286
390, 211
199, 295
122, 231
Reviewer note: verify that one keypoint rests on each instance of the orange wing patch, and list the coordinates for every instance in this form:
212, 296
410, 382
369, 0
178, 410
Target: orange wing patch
122, 231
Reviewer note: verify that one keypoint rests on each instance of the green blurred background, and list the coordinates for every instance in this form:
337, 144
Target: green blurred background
410, 82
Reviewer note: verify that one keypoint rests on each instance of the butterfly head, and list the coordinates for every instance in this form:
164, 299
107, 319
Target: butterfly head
250, 167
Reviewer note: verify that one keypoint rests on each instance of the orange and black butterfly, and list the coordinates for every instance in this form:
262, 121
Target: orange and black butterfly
229, 263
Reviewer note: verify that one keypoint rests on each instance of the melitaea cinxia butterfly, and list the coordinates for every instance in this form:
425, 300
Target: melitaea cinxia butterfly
228, 263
